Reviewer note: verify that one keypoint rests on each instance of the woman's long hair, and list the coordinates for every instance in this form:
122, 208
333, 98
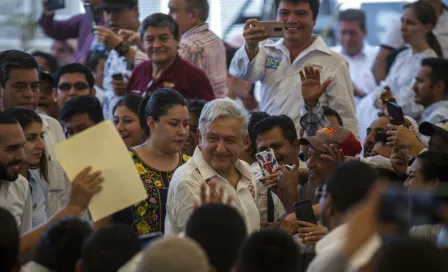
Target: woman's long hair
426, 14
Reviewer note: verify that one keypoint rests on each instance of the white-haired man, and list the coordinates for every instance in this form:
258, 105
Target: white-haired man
222, 133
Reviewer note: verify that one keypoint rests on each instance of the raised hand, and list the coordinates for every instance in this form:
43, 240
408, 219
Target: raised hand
312, 88
336, 156
253, 35
84, 187
214, 196
310, 233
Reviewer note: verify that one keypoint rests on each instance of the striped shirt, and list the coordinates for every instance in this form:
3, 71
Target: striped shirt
201, 47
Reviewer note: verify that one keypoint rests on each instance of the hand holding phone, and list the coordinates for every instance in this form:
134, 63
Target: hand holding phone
267, 162
273, 29
304, 211
395, 113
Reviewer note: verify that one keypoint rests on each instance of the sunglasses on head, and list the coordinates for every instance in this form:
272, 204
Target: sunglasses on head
79, 86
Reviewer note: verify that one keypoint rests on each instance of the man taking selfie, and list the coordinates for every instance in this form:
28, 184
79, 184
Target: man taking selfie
277, 64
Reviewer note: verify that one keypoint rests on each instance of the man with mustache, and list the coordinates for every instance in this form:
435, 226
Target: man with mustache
277, 64
166, 69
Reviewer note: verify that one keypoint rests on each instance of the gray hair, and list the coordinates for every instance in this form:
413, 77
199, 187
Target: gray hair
224, 107
202, 7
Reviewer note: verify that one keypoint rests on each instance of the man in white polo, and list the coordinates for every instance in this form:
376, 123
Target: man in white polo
276, 64
222, 133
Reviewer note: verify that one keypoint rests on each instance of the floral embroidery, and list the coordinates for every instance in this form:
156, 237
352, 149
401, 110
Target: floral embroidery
149, 215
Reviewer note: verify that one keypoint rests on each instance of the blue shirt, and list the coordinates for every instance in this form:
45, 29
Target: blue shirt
39, 198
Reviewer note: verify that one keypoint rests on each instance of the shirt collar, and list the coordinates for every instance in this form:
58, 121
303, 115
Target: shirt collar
208, 172
317, 45
168, 71
195, 30
429, 110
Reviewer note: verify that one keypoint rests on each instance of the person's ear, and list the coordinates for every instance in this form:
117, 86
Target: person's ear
435, 183
440, 88
198, 133
247, 143
93, 92
150, 122
195, 17
54, 93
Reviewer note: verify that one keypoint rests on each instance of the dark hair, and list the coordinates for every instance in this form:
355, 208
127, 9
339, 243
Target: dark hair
26, 117
200, 5
7, 120
75, 68
159, 20
109, 248
254, 118
411, 255
284, 122
220, 230
195, 106
60, 245
439, 70
51, 60
133, 103
381, 137
269, 250
9, 240
390, 176
161, 101
332, 112
83, 104
230, 53
94, 57
314, 5
426, 14
357, 15
349, 184
434, 165
11, 59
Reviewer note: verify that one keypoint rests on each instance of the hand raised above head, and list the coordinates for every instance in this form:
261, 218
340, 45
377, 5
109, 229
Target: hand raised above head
312, 88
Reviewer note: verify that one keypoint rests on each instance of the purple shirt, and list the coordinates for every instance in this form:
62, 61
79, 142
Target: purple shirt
77, 27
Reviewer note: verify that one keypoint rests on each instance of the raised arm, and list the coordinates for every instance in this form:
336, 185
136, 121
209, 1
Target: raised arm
249, 61
59, 30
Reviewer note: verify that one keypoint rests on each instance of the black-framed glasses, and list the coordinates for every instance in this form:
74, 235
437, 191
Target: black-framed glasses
79, 86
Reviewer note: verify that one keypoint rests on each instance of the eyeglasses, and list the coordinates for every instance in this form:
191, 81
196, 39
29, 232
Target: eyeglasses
79, 86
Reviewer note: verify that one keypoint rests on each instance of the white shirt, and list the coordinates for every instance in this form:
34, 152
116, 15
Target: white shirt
58, 184
15, 197
281, 84
185, 188
333, 242
262, 197
400, 79
360, 66
394, 39
114, 65
436, 113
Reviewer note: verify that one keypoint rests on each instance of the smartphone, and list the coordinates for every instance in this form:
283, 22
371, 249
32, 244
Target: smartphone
55, 4
89, 12
267, 162
304, 211
395, 113
118, 77
274, 29
413, 208
146, 239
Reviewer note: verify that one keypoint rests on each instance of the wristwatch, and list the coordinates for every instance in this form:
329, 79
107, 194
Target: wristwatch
122, 49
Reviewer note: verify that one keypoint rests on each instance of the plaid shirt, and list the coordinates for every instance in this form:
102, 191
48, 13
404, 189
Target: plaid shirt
313, 119
201, 47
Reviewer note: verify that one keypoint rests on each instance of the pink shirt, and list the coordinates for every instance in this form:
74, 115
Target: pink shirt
201, 47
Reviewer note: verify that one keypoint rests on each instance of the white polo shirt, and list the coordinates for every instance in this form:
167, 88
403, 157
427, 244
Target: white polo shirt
360, 66
185, 189
281, 85
15, 196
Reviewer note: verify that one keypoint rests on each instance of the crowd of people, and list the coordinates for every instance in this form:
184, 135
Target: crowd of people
359, 134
